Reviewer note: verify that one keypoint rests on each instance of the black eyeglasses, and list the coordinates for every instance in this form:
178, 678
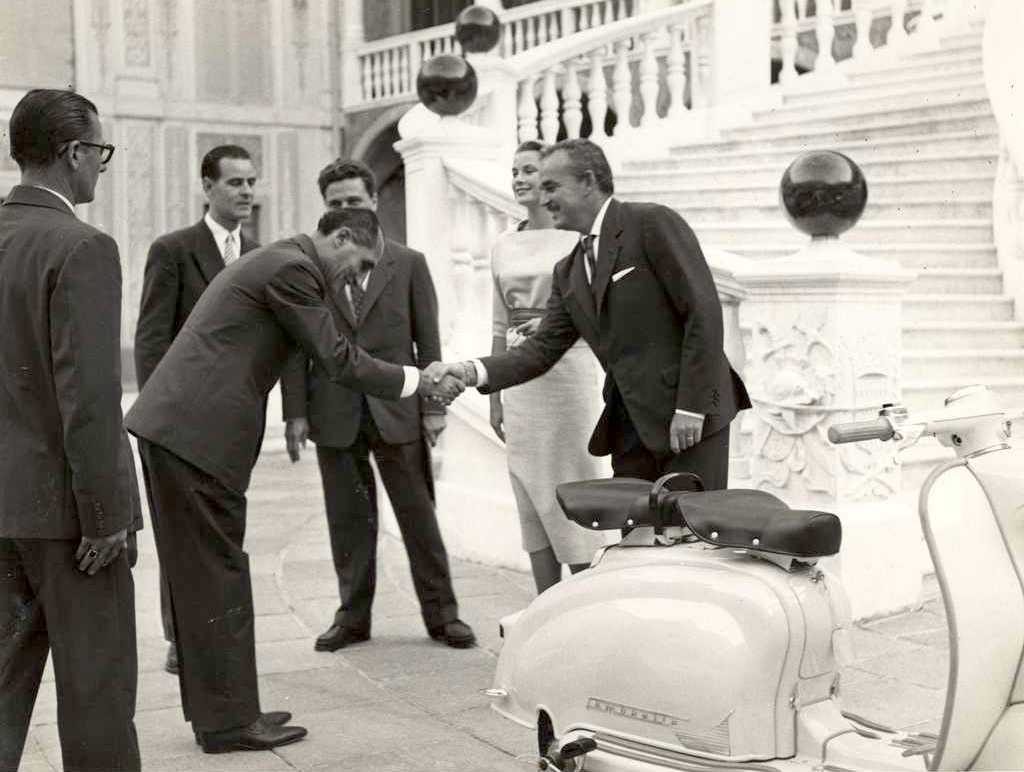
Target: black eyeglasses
106, 154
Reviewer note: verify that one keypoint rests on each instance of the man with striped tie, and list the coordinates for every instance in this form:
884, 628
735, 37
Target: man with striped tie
179, 268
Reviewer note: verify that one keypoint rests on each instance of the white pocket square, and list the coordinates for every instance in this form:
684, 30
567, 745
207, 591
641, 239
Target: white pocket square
624, 272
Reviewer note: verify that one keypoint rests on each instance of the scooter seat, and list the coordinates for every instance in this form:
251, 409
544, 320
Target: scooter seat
737, 518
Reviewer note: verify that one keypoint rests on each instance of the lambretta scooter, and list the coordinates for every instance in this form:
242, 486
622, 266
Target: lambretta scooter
710, 639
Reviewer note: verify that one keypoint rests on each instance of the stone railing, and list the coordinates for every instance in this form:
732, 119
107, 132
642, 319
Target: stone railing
1003, 30
386, 69
846, 29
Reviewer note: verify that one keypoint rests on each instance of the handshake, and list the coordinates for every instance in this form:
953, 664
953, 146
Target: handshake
442, 382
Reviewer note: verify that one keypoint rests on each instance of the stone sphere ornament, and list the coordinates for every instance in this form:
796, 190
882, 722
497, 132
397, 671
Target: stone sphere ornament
446, 84
823, 193
477, 29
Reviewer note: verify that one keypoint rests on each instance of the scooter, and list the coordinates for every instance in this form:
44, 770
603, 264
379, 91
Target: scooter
709, 639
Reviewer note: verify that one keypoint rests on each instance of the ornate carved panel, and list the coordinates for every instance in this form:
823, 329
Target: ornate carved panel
139, 139
179, 170
234, 51
37, 46
137, 43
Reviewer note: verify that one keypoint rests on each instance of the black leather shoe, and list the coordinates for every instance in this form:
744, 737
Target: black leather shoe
339, 636
171, 665
258, 736
271, 718
456, 634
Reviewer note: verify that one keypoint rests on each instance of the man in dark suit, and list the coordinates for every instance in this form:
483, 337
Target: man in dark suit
179, 267
200, 420
637, 288
391, 312
66, 474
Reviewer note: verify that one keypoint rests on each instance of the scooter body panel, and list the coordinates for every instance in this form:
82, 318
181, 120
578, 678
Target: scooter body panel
679, 649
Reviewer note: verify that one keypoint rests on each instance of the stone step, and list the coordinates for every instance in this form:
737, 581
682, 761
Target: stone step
964, 281
914, 255
966, 39
897, 83
843, 104
963, 335
780, 153
923, 365
947, 51
972, 308
725, 233
865, 118
928, 394
760, 184
909, 68
770, 211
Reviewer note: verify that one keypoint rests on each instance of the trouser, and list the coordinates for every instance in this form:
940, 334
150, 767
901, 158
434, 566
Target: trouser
199, 526
87, 623
350, 494
166, 618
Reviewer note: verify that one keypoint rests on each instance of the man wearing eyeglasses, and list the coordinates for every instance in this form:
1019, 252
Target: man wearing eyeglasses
67, 489
179, 268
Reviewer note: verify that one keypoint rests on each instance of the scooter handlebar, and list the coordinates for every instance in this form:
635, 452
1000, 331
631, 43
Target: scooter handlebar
859, 431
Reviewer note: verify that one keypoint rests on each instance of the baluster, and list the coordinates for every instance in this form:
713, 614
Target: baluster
415, 59
609, 12
514, 34
572, 113
549, 107
648, 82
506, 41
863, 13
675, 74
366, 65
788, 43
389, 72
898, 32
544, 22
826, 31
700, 64
621, 87
527, 112
566, 22
584, 17
926, 22
461, 261
597, 95
617, 10
381, 75
532, 27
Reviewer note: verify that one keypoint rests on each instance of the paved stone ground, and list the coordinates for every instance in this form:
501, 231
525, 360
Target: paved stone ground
403, 703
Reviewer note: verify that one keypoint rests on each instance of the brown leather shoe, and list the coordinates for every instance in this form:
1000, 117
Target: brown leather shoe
456, 634
339, 636
258, 736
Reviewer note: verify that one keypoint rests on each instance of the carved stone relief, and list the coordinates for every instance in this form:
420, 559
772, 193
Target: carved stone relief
139, 138
179, 170
136, 33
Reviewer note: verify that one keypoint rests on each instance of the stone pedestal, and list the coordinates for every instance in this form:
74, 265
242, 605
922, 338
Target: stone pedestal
823, 340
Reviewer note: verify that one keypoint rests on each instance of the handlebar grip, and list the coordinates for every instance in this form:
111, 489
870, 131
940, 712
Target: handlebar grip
859, 431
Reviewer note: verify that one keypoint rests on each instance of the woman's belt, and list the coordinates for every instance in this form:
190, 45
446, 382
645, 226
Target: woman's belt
517, 316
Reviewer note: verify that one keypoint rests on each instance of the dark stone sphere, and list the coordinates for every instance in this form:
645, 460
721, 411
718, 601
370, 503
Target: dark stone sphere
477, 29
446, 84
823, 193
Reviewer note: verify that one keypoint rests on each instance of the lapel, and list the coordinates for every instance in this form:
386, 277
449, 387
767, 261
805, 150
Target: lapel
205, 253
379, 278
608, 252
339, 306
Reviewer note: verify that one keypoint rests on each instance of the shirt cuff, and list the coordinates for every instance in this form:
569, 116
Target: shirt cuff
688, 413
481, 373
412, 381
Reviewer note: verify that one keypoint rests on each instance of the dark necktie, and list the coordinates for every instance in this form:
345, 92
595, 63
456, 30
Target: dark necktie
357, 294
587, 242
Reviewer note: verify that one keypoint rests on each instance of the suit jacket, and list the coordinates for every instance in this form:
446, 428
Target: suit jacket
656, 329
180, 266
398, 323
65, 463
205, 401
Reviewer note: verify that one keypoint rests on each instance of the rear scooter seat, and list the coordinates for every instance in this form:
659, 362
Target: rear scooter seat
748, 519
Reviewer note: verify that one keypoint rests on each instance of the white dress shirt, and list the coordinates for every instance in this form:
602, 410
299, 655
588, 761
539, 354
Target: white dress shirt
220, 235
61, 196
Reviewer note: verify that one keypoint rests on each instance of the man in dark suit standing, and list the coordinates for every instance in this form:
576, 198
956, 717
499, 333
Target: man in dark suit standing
65, 468
389, 310
179, 268
639, 291
200, 420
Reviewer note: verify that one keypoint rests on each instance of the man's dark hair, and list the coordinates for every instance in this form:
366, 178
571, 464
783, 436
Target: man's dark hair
362, 223
210, 167
585, 156
44, 120
346, 169
531, 145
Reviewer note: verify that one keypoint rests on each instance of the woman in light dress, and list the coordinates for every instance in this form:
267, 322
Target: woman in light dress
546, 422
